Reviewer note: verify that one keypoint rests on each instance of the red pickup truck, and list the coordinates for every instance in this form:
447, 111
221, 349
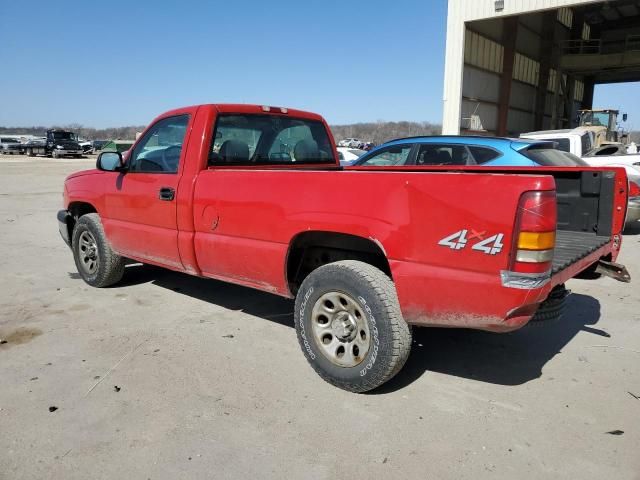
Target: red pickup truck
254, 195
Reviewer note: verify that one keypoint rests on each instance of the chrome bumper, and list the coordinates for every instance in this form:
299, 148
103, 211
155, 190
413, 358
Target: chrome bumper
68, 152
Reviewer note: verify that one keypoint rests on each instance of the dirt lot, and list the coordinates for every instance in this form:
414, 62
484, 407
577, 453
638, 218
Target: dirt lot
168, 376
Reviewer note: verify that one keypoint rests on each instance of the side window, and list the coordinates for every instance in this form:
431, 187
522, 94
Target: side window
483, 155
396, 155
159, 150
439, 154
586, 143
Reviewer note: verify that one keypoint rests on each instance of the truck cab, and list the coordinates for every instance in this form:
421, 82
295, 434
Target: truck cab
62, 143
603, 124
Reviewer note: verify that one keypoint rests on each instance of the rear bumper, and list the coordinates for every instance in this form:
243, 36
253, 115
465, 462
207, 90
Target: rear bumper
63, 226
439, 296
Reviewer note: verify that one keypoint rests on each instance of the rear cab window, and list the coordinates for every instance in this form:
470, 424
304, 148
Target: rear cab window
246, 139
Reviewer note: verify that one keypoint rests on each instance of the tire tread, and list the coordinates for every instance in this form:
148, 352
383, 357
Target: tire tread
400, 343
111, 268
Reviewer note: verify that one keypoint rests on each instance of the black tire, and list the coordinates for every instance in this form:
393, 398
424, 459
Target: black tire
552, 308
375, 302
109, 266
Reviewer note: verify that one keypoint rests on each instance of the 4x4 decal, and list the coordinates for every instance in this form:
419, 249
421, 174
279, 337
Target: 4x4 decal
459, 240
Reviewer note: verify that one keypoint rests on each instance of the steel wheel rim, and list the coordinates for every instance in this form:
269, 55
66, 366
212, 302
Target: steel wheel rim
88, 252
340, 329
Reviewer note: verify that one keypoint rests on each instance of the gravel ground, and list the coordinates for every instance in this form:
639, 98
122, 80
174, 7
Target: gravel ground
168, 377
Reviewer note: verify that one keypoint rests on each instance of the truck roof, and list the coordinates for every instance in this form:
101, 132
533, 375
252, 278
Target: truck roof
548, 132
579, 131
251, 109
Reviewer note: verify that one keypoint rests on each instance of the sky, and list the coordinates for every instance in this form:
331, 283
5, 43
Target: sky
116, 63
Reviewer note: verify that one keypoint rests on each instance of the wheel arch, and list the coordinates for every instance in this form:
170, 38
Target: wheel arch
312, 249
77, 210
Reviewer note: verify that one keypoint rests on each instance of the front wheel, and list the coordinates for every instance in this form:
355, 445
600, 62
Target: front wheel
97, 263
350, 327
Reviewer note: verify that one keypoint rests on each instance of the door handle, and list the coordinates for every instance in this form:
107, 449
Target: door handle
167, 194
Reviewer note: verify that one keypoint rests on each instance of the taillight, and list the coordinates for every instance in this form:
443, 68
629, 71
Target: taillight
634, 190
535, 232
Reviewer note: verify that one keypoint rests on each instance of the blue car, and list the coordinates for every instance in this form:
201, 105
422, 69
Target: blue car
470, 151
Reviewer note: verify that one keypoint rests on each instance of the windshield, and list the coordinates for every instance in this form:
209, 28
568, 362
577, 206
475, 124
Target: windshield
596, 119
550, 157
269, 139
8, 140
64, 136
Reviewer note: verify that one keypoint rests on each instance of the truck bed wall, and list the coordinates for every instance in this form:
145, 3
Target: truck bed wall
245, 221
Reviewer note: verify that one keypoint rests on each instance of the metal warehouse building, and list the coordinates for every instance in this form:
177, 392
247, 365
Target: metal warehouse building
520, 65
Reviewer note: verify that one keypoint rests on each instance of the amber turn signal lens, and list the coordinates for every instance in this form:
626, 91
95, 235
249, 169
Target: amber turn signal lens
536, 240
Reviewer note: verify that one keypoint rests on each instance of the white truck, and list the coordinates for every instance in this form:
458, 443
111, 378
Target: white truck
580, 142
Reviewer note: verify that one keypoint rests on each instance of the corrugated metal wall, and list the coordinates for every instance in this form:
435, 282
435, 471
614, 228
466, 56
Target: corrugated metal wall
474, 63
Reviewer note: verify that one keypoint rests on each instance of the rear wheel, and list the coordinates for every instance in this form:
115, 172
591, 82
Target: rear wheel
97, 263
350, 327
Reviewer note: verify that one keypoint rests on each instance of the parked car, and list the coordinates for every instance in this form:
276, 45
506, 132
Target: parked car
350, 143
10, 145
579, 142
98, 144
348, 156
117, 145
365, 251
489, 152
86, 145
455, 150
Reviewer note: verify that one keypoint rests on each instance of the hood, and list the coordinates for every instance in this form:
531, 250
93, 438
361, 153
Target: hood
67, 143
82, 173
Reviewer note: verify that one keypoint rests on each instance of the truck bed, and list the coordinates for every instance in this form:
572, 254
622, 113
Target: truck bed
573, 246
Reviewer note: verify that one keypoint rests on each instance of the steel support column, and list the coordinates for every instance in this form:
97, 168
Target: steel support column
549, 59
509, 35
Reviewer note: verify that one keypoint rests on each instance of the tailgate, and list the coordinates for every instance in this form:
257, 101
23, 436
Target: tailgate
592, 206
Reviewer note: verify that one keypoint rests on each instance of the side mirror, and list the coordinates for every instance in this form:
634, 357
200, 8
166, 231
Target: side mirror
624, 117
110, 162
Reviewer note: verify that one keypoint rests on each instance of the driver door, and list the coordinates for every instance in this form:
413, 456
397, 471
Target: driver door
140, 204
